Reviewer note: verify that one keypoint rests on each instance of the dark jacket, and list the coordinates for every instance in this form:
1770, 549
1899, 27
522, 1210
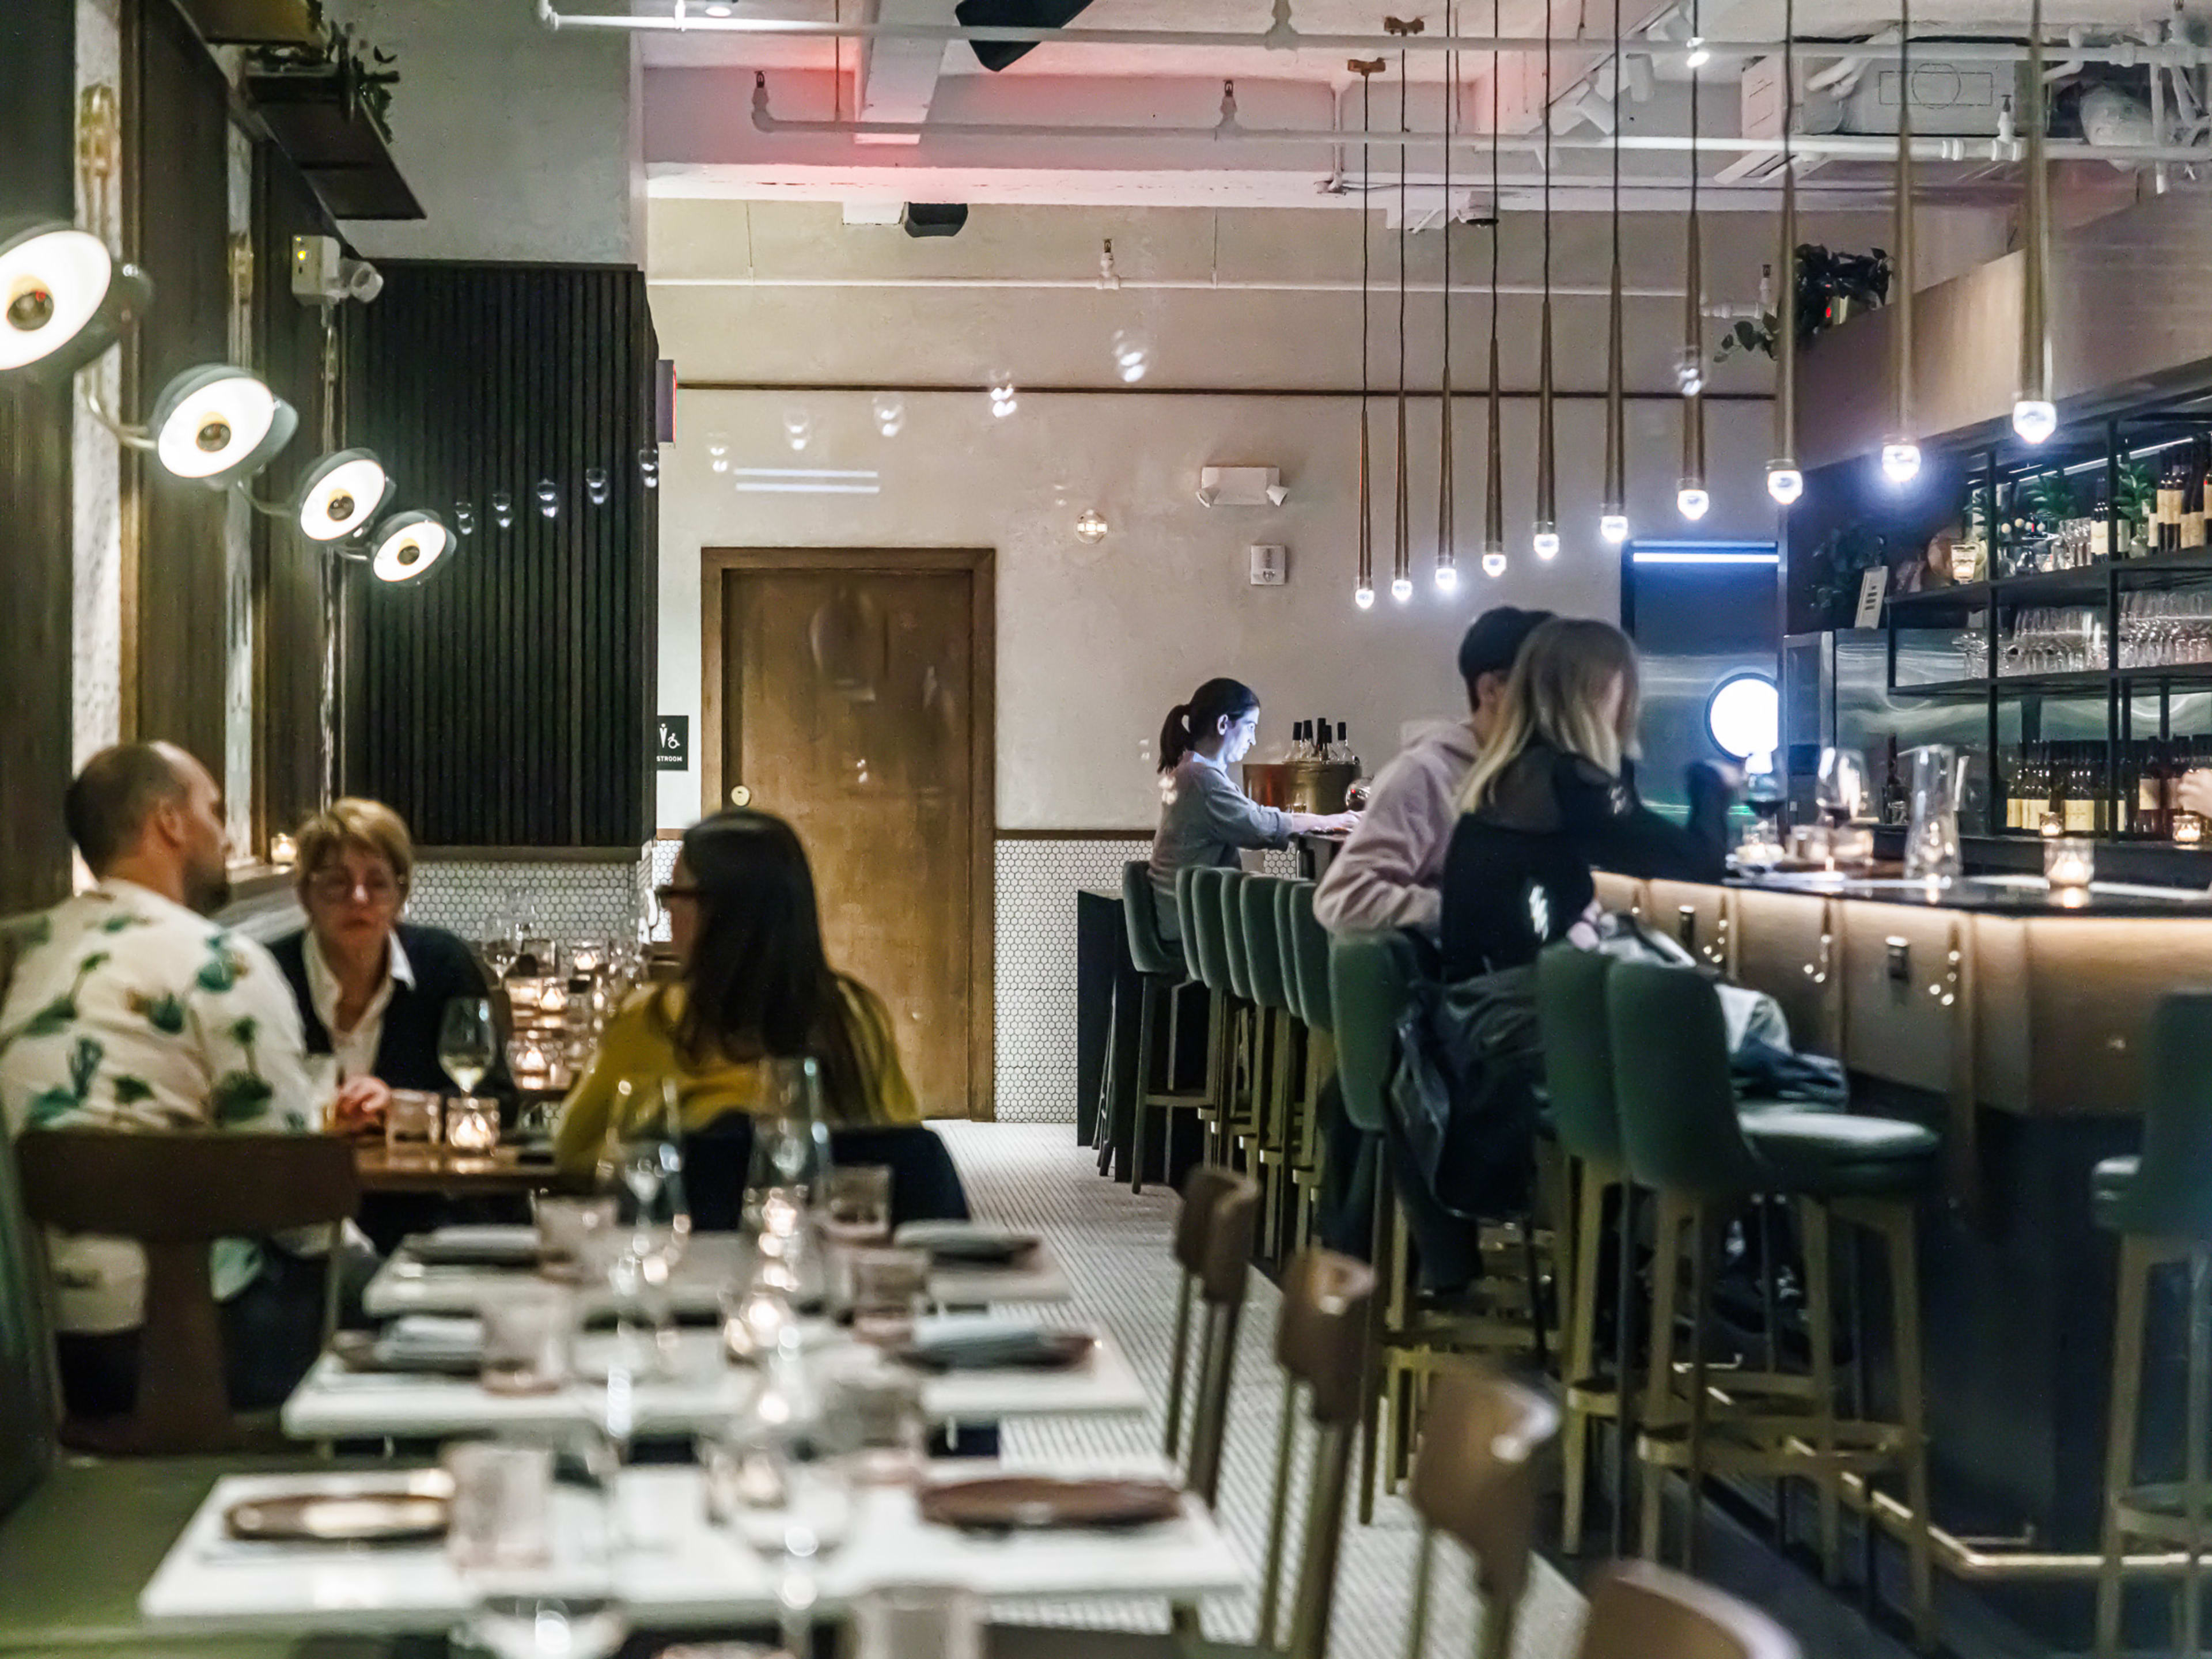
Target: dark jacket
407, 1052
1517, 876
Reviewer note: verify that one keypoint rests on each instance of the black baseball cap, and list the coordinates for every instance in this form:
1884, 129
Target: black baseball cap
1496, 639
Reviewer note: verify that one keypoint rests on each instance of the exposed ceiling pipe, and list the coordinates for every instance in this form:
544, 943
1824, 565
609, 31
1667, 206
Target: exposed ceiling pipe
1843, 145
2172, 54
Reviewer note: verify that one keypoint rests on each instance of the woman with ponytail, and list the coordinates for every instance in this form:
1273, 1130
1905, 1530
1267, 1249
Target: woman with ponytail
1204, 817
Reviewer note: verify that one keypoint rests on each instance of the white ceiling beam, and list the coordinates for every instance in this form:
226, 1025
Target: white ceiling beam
897, 78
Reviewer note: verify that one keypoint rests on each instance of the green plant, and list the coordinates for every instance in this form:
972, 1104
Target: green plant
1834, 569
1829, 285
363, 73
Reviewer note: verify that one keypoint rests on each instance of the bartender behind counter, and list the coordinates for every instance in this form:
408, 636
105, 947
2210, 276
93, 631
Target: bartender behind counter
1205, 819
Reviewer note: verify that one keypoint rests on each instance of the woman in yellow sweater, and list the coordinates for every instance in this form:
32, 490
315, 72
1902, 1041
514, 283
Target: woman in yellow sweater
755, 987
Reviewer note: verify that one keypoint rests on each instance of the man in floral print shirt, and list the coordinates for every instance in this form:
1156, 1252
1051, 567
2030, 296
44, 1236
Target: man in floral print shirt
130, 1009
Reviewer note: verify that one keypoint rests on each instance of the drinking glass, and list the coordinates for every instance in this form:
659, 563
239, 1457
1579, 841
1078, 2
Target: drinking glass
641, 1168
572, 1234
412, 1123
791, 1149
1840, 789
918, 1621
889, 1288
522, 1625
767, 1481
874, 1407
472, 1124
467, 1041
560, 1501
527, 1332
856, 1205
503, 1507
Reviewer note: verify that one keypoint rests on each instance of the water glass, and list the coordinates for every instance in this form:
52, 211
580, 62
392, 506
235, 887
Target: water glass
413, 1124
526, 1626
890, 1287
503, 1512
572, 1234
876, 1408
528, 1330
856, 1205
918, 1621
790, 1148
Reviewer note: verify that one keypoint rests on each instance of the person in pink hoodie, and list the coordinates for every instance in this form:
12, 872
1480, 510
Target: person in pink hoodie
1389, 873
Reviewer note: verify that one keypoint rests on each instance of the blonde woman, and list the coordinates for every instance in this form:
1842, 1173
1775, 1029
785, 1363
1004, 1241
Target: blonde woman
1552, 794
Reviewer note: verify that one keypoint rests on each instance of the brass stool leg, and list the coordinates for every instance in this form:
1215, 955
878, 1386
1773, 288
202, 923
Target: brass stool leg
1658, 1409
1272, 1583
1581, 1343
2120, 1443
1704, 1223
1370, 1408
1911, 1406
2194, 1417
1140, 1108
1820, 1333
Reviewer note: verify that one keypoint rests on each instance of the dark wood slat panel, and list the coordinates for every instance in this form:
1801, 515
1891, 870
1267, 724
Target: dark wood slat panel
506, 701
38, 141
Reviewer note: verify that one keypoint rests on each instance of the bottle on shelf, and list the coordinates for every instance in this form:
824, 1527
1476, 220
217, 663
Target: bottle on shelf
2153, 813
1894, 805
2083, 785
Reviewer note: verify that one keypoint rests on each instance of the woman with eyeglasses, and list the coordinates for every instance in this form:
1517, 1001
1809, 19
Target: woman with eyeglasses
372, 989
755, 986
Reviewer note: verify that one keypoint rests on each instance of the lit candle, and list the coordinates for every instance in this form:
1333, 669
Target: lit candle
2188, 829
284, 852
472, 1125
2070, 863
2053, 826
553, 998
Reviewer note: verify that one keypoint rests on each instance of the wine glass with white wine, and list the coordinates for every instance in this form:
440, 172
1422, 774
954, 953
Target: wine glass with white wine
467, 1041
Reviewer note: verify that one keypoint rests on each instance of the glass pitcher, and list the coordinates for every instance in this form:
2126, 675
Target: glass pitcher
1932, 838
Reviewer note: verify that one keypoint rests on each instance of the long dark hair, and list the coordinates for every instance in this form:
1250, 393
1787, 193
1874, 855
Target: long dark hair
1187, 722
758, 985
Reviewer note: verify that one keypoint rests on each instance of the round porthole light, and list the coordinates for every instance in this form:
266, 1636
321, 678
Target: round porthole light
342, 492
62, 298
1743, 716
1091, 526
407, 545
220, 425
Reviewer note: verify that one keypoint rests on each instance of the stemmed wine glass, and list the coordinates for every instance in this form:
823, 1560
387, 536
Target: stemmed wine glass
1840, 790
467, 1041
791, 1149
641, 1168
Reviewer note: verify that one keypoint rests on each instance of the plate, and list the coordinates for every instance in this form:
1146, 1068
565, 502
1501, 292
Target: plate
476, 1247
967, 1242
410, 1509
1005, 1348
1036, 1503
364, 1351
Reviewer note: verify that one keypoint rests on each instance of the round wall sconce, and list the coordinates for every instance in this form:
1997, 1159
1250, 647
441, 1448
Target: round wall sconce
1743, 716
219, 425
407, 545
62, 298
341, 493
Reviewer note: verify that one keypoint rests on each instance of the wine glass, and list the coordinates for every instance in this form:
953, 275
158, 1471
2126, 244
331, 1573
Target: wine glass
791, 1149
641, 1168
1840, 792
467, 1041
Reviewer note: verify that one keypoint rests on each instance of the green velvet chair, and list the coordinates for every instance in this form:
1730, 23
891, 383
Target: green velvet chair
1304, 947
1206, 947
2160, 1203
1162, 972
1278, 1051
1684, 1137
1240, 1106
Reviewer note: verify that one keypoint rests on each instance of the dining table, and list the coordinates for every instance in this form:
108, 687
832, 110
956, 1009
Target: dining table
671, 1565
710, 1264
688, 1388
504, 1171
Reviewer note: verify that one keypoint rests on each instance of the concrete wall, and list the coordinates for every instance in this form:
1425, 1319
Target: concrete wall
520, 144
1095, 644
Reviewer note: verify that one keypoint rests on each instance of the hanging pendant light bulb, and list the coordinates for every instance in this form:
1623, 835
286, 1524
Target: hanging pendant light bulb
1613, 506
1691, 499
1447, 572
2034, 415
1402, 561
1363, 587
1901, 456
1545, 543
1494, 484
1785, 483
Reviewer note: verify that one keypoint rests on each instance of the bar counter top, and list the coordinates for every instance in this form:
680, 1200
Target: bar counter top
1989, 895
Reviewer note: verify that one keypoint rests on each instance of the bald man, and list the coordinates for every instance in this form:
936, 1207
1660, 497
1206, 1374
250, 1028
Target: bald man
130, 1008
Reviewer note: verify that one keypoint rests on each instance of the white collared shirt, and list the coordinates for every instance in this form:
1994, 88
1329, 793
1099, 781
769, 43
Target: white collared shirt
354, 1050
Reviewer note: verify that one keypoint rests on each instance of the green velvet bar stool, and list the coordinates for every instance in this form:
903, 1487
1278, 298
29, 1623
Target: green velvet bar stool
1198, 900
1276, 1050
1162, 973
2160, 1205
1305, 974
1571, 1016
1685, 1140
1240, 1117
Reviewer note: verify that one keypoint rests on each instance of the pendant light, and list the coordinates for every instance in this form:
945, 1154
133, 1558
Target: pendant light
1401, 560
1901, 456
1691, 499
1613, 506
1784, 482
1545, 543
1493, 494
1447, 574
2034, 415
1362, 590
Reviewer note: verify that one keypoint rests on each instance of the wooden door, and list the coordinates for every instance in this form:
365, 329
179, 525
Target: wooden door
854, 701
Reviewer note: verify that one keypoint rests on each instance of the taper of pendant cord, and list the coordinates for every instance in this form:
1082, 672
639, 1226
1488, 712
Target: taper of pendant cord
1494, 491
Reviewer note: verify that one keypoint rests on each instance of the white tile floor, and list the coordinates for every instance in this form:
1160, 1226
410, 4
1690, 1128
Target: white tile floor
1116, 1248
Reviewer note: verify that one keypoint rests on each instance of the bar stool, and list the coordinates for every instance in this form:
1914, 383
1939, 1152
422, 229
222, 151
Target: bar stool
1684, 1138
1571, 1012
1637, 1611
1162, 974
1241, 1107
2161, 1205
1198, 902
1305, 973
1277, 1048
1212, 1247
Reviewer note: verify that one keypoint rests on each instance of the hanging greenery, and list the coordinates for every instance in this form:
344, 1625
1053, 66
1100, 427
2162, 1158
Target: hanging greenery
362, 75
1834, 569
1831, 287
